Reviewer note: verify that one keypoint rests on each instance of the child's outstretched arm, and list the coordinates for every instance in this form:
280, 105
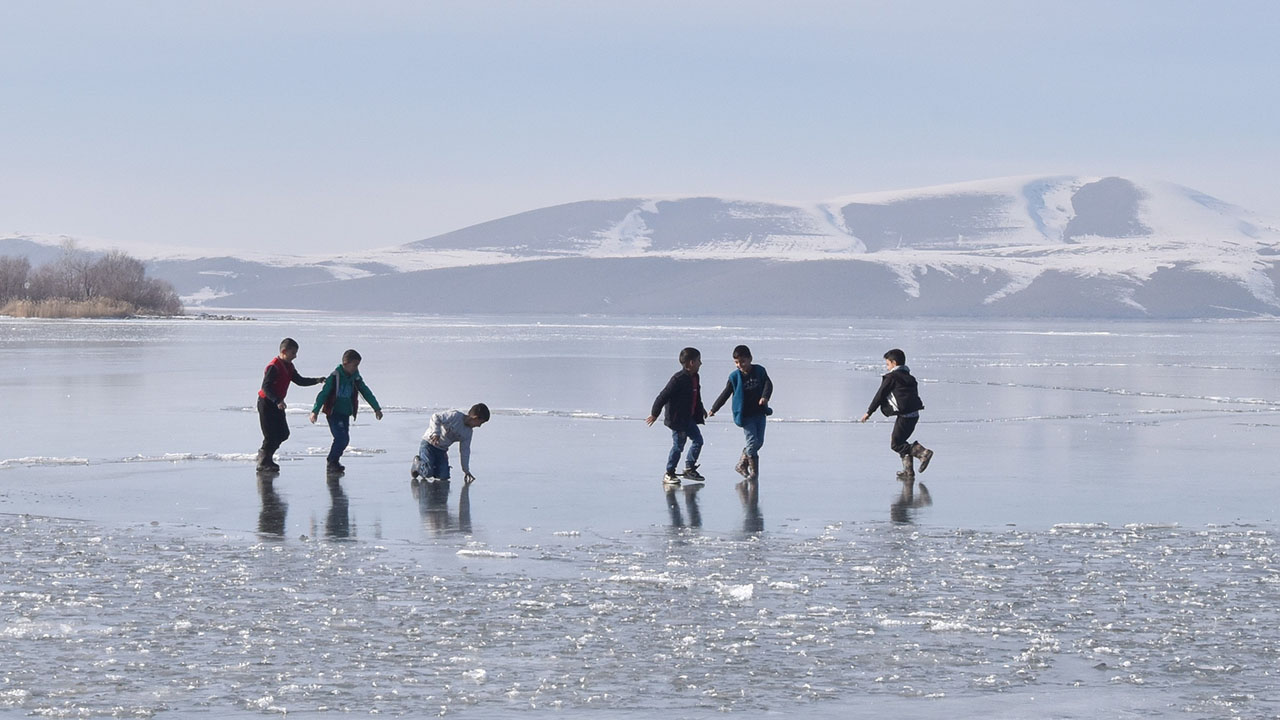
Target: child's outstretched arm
661, 400
878, 399
320, 396
720, 401
464, 454
368, 396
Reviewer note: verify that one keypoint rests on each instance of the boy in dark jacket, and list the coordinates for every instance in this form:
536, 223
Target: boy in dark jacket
684, 413
898, 396
340, 400
275, 384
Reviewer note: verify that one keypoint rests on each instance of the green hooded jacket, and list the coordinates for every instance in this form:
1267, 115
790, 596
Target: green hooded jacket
339, 394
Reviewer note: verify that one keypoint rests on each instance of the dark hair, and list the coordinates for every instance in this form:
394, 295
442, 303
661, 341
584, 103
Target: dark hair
897, 356
479, 411
688, 355
350, 355
288, 344
741, 352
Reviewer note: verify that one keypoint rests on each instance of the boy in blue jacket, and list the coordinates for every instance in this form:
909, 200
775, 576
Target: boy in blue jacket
751, 389
682, 398
899, 398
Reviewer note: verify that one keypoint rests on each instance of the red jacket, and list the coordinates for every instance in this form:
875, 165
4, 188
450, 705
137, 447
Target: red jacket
276, 379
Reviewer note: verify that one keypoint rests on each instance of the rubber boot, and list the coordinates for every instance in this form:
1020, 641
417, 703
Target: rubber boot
753, 468
741, 467
923, 453
264, 465
908, 471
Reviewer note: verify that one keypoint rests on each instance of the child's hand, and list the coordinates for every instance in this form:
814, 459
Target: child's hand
864, 417
649, 420
281, 405
313, 418
468, 478
711, 414
764, 401
377, 414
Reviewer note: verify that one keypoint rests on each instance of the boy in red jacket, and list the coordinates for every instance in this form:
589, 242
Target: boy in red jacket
275, 384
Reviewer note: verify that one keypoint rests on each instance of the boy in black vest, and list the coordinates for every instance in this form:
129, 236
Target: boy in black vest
683, 399
898, 396
275, 384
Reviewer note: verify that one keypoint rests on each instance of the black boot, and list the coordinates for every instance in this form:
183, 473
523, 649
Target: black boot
265, 464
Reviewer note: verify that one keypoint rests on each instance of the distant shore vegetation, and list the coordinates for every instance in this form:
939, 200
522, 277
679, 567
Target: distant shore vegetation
80, 285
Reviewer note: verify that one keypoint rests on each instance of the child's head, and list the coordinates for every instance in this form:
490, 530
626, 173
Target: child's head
742, 357
895, 358
690, 359
350, 361
288, 348
477, 415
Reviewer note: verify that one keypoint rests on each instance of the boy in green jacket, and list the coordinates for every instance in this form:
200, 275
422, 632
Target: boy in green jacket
340, 402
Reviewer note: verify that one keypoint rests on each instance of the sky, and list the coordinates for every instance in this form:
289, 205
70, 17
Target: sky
311, 126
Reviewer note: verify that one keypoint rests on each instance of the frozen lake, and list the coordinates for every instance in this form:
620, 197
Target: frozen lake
1093, 536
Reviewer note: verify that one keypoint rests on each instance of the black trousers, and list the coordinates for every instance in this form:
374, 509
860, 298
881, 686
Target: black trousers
903, 426
275, 429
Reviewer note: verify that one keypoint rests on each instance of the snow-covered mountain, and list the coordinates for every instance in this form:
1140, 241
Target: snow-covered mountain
1031, 246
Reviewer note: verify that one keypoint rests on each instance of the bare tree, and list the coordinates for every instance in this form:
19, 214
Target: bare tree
78, 277
14, 272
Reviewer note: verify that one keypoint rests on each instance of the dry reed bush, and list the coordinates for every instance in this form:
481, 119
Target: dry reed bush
63, 308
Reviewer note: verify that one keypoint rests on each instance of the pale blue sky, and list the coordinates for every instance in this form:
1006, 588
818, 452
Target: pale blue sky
310, 126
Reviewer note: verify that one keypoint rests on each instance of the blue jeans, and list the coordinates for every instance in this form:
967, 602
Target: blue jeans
432, 461
753, 428
340, 426
677, 446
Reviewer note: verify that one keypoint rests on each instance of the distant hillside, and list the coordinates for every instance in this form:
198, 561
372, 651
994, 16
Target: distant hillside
1013, 247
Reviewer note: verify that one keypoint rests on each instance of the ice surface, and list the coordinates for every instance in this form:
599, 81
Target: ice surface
1093, 536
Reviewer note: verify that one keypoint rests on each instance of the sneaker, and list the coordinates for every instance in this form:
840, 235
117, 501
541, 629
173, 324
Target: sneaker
670, 478
691, 473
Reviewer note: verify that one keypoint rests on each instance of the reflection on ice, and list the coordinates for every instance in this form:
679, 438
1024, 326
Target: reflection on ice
433, 503
690, 495
271, 518
914, 495
752, 519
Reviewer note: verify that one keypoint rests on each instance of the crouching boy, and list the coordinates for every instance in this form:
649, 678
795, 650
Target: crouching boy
446, 428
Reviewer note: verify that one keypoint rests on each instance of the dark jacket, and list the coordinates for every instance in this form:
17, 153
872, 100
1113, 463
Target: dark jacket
898, 394
684, 406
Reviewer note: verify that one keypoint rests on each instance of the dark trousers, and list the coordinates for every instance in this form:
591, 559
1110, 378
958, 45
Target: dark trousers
903, 426
275, 429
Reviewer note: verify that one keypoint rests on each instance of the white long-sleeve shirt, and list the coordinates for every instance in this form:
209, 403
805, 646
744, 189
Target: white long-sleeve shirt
450, 427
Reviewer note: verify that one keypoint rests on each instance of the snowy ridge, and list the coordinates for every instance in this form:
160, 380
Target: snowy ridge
1060, 245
